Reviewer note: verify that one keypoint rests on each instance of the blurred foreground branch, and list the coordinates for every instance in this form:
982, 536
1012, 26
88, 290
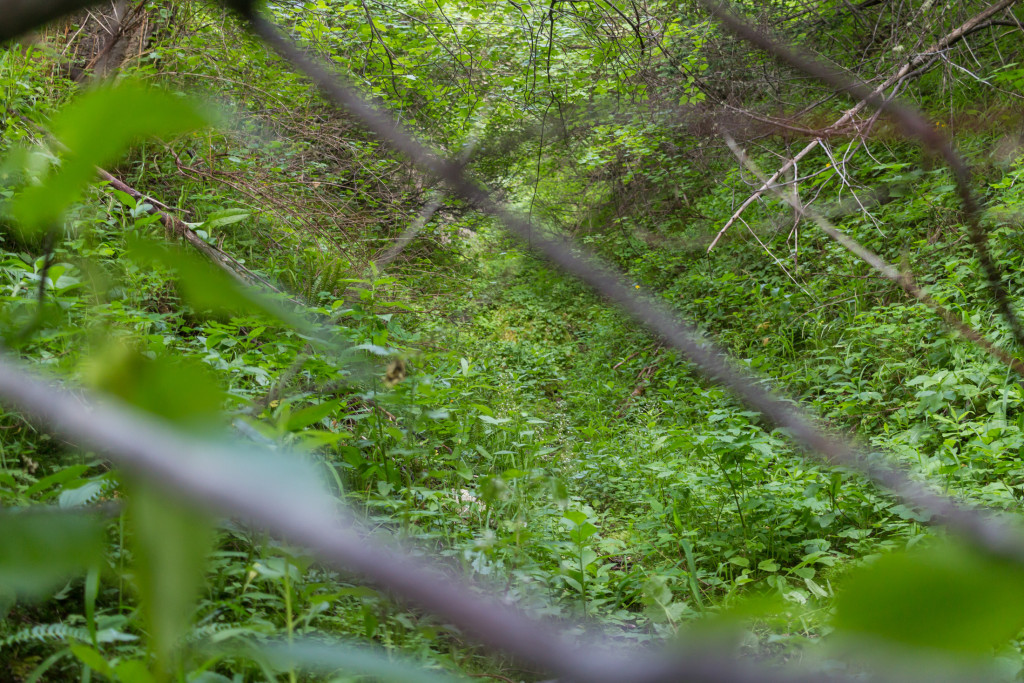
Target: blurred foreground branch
20, 16
285, 496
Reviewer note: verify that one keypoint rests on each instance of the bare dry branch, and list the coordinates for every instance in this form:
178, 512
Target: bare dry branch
886, 269
427, 212
874, 97
914, 125
176, 226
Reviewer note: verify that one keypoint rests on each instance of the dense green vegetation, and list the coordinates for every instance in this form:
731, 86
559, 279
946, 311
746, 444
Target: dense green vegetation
470, 399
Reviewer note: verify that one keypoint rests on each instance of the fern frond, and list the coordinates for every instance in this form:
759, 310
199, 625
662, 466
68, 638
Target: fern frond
64, 633
45, 632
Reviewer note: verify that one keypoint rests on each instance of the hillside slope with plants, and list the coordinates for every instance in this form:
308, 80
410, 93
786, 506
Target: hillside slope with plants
190, 229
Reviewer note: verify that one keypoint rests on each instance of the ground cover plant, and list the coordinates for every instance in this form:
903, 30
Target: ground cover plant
244, 273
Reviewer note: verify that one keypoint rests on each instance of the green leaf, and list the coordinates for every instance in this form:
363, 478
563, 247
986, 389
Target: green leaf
311, 415
41, 550
220, 219
179, 389
354, 659
205, 286
59, 477
133, 671
209, 677
583, 532
95, 130
945, 597
124, 198
91, 658
81, 495
575, 516
171, 545
374, 349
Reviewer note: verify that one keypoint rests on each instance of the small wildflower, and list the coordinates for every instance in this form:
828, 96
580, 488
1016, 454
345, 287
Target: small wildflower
636, 286
466, 497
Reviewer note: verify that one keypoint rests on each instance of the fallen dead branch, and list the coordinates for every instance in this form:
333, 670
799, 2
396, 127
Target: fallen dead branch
914, 125
913, 68
175, 226
884, 268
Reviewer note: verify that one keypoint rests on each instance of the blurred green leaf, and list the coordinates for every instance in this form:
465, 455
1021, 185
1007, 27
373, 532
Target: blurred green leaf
171, 544
95, 130
41, 550
179, 389
133, 671
338, 655
205, 286
945, 597
91, 658
208, 677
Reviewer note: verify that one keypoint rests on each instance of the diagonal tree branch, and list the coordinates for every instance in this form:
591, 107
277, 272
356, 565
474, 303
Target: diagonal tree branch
284, 496
175, 226
286, 508
883, 267
909, 69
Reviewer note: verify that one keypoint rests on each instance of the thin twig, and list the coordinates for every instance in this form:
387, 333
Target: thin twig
874, 97
914, 124
886, 269
36, 321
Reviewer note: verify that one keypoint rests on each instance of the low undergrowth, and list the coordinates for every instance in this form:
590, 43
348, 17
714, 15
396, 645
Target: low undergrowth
478, 405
